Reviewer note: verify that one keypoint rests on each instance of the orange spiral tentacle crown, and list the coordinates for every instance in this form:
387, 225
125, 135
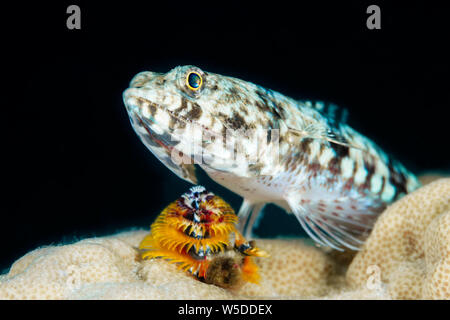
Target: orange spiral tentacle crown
198, 233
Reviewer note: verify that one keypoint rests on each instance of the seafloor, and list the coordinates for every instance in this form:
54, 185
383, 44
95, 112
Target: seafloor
406, 256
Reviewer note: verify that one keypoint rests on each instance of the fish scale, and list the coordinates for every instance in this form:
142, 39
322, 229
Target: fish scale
299, 155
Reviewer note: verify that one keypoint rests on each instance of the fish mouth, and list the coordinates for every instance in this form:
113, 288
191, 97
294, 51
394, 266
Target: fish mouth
163, 136
163, 140
164, 133
142, 113
163, 146
168, 141
190, 142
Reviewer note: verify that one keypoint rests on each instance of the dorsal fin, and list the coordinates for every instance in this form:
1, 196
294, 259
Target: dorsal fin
334, 131
330, 137
336, 115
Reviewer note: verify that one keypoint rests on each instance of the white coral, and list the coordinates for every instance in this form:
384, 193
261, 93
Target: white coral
409, 246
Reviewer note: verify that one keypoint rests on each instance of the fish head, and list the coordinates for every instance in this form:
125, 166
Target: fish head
189, 116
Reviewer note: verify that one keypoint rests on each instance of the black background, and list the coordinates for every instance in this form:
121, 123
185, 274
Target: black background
72, 165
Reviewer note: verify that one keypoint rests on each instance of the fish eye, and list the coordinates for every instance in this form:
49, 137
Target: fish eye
194, 80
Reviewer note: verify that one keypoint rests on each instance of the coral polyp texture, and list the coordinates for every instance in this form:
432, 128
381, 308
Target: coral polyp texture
410, 246
198, 233
407, 256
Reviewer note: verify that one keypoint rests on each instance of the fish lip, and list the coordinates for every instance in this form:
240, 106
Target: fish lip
158, 138
164, 140
134, 109
161, 140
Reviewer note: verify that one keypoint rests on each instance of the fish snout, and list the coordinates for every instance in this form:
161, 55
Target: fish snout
130, 99
143, 78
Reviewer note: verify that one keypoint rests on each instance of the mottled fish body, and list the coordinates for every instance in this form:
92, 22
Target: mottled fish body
297, 154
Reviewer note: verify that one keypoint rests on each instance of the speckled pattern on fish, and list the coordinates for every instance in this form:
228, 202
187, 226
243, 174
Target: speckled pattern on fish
332, 178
